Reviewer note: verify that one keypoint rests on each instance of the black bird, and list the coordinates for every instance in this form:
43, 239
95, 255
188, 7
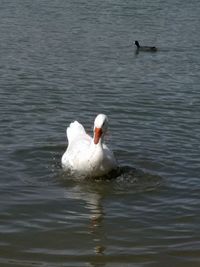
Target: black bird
145, 48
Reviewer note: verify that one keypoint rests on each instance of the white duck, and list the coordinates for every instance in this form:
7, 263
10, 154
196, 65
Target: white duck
85, 155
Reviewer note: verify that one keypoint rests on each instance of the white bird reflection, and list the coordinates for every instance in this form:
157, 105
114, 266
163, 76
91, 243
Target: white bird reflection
93, 194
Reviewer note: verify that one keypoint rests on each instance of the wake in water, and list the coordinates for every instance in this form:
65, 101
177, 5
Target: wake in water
125, 177
33, 168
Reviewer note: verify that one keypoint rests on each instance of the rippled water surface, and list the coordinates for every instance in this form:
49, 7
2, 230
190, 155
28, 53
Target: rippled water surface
67, 60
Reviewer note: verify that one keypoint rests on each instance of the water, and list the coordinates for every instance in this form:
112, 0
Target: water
66, 60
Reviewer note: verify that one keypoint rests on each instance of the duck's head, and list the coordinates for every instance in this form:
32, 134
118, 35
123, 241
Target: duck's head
137, 44
100, 127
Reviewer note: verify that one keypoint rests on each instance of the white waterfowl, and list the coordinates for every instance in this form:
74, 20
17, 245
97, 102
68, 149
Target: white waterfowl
85, 155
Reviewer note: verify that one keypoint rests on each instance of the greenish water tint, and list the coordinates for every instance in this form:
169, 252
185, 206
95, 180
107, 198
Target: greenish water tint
67, 60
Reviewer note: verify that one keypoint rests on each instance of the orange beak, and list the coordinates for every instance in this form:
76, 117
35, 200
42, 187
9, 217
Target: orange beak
97, 135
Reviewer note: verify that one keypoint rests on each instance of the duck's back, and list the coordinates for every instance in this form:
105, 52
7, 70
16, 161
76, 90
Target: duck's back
76, 131
78, 143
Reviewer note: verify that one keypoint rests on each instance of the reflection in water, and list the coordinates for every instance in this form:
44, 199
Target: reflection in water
94, 197
94, 193
96, 226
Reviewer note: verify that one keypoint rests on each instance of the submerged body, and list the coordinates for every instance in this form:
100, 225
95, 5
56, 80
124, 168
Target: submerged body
87, 156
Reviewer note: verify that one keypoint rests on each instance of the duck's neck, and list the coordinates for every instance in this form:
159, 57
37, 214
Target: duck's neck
96, 151
137, 44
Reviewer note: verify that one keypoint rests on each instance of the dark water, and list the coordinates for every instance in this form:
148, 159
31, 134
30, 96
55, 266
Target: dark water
66, 60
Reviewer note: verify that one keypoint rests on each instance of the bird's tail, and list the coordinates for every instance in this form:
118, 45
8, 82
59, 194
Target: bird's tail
74, 130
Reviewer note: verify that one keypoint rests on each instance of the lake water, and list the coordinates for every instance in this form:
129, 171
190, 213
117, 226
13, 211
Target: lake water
66, 60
